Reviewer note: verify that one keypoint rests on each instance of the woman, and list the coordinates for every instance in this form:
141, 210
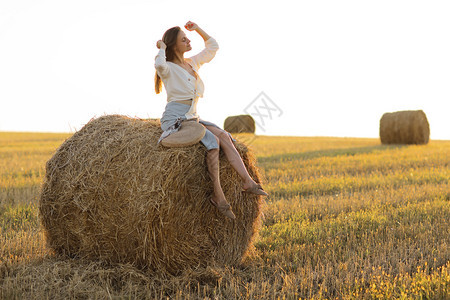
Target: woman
184, 87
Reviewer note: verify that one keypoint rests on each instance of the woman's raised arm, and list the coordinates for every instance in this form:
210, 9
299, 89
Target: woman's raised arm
211, 46
193, 26
161, 65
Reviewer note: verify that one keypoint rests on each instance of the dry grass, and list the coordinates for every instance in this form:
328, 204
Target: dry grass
346, 219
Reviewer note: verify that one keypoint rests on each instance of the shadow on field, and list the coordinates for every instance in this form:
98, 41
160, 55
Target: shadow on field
327, 153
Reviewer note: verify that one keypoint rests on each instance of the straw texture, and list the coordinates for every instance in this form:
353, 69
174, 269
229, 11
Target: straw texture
112, 194
240, 123
404, 127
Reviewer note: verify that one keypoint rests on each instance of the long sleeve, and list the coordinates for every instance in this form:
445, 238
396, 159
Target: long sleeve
207, 54
161, 65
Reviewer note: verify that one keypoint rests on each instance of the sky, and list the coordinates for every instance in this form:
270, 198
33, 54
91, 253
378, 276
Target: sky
300, 68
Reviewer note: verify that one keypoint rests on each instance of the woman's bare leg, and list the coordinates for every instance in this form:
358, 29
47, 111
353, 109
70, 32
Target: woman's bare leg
233, 156
212, 161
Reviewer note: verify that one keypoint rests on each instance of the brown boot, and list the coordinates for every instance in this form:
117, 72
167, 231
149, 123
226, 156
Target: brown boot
212, 160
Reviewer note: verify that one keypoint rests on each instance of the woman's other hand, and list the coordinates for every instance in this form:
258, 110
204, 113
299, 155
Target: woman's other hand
160, 44
191, 26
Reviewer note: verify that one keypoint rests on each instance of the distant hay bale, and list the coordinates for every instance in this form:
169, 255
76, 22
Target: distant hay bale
112, 194
239, 124
404, 127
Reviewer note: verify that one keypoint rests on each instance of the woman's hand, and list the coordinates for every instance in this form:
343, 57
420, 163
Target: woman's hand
160, 44
191, 26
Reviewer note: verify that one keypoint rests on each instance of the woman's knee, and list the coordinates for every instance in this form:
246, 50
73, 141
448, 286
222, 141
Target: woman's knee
218, 140
208, 141
224, 137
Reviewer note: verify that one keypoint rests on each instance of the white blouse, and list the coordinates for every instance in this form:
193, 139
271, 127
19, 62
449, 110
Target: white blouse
178, 82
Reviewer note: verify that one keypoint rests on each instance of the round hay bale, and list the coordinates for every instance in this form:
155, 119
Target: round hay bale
404, 127
112, 194
240, 123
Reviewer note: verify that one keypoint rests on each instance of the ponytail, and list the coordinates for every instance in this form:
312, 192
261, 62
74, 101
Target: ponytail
158, 83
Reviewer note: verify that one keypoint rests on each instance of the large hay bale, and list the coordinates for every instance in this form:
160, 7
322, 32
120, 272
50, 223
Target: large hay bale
404, 127
240, 123
112, 194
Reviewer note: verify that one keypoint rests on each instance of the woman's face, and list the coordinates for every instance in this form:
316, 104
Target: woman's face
183, 43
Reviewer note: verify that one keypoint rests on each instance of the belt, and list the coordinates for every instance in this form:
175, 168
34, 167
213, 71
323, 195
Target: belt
185, 100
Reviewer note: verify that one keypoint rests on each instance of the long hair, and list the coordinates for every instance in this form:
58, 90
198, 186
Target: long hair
170, 39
